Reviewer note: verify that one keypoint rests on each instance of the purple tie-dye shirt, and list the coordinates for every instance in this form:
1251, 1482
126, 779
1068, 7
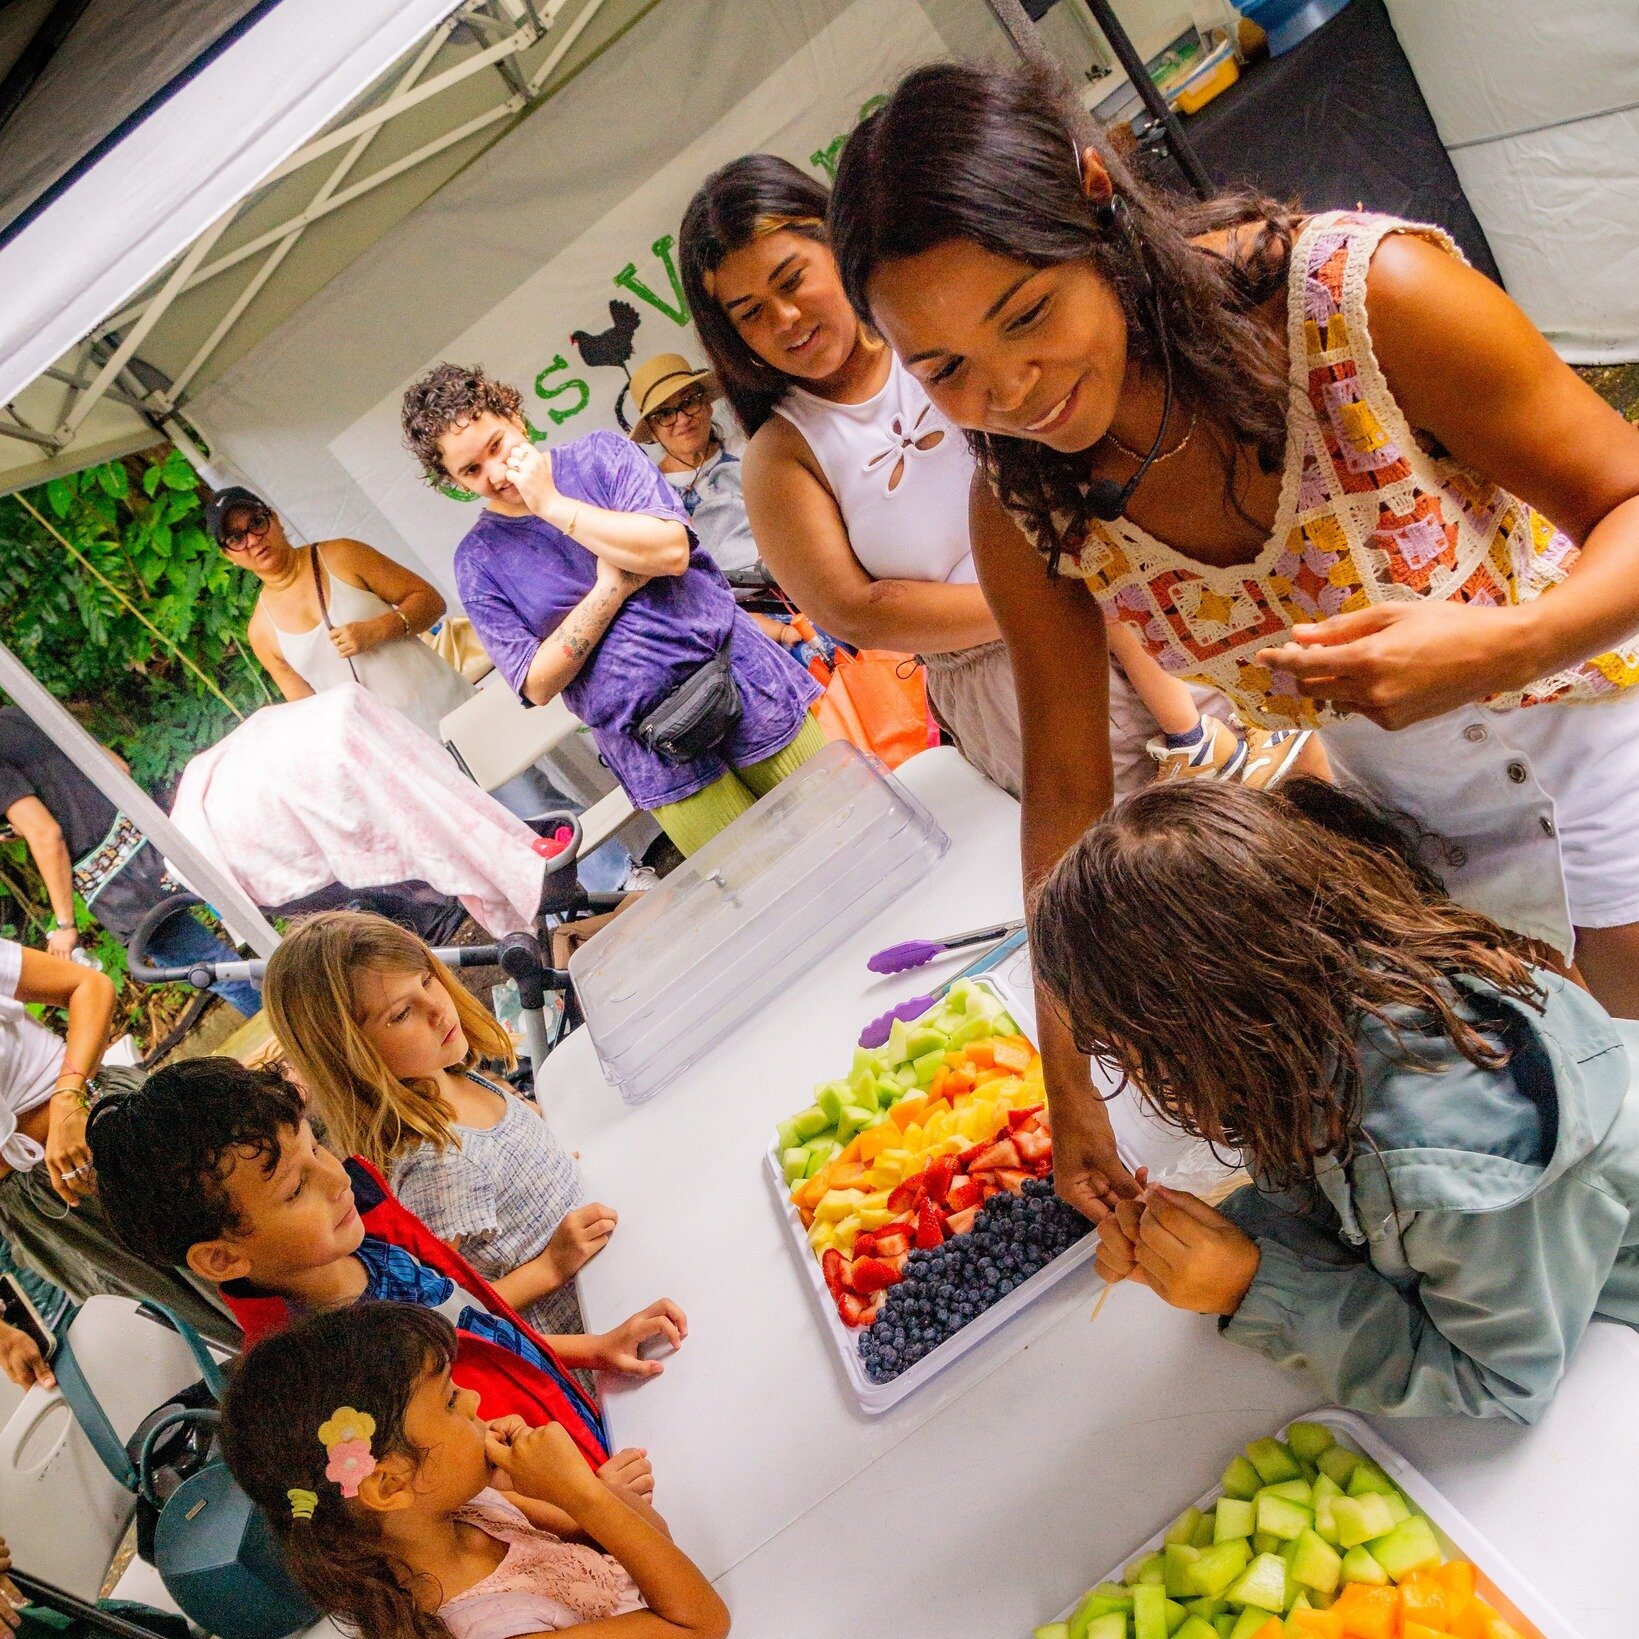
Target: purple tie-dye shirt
519, 577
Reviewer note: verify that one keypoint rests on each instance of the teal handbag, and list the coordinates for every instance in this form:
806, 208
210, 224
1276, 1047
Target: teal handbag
211, 1546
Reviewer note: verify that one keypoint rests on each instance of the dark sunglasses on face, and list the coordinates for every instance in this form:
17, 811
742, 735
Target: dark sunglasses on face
686, 403
254, 527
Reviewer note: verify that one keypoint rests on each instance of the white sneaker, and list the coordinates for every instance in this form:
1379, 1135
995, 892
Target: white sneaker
1217, 755
1270, 754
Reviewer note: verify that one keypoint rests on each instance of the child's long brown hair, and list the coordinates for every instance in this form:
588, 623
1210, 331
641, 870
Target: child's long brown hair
312, 1007
1222, 948
372, 1357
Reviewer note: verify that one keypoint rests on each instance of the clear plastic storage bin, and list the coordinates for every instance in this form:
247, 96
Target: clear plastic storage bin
761, 903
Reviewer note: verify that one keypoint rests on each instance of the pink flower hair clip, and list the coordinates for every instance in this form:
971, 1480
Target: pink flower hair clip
346, 1436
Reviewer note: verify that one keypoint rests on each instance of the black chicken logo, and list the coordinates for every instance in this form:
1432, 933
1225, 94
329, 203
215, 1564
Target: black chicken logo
612, 348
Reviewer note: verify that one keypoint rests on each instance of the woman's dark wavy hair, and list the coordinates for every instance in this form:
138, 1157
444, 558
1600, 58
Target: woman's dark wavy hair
372, 1357
990, 156
732, 207
1223, 946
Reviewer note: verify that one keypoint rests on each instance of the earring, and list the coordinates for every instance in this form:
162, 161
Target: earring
1104, 215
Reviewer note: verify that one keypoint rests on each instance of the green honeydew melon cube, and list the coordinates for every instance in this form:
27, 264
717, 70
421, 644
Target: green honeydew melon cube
899, 1035
1176, 1616
1323, 1488
1326, 1522
924, 1038
1298, 1491
1251, 1621
1052, 1630
906, 1077
1338, 1464
1360, 1566
1263, 1584
1233, 1519
1149, 1611
1112, 1625
1368, 1480
1316, 1564
1095, 1608
1398, 1506
1308, 1440
1147, 1568
969, 1030
1211, 1574
1205, 1530
809, 1124
928, 1066
1207, 1609
1195, 1627
1283, 1519
1409, 1547
819, 1152
1273, 1462
1176, 1559
793, 1161
1224, 1625
1007, 1025
1182, 1529
1360, 1519
828, 1100
1241, 1480
1266, 1542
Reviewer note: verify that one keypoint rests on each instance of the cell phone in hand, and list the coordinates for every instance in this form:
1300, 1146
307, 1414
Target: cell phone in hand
17, 1310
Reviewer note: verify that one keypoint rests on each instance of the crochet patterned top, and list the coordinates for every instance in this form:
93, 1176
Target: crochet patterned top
543, 1585
1367, 515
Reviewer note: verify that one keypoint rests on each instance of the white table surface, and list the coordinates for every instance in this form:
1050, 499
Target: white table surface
985, 1502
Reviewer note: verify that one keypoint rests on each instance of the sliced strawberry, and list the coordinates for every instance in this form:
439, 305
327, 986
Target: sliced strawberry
873, 1275
1011, 1178
892, 1242
835, 1267
865, 1243
1032, 1145
968, 1192
939, 1175
930, 1232
852, 1309
869, 1317
1041, 1168
961, 1222
908, 1196
994, 1156
964, 1161
1017, 1119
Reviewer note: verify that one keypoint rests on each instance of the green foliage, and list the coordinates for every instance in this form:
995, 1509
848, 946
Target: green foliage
139, 523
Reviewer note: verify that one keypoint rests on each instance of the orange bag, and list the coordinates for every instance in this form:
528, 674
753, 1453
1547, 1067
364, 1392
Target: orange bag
875, 700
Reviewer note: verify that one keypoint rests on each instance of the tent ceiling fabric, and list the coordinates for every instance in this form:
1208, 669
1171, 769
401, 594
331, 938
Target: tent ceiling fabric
403, 94
118, 55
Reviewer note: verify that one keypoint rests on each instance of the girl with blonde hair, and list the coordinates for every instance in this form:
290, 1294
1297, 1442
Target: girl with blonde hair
388, 1044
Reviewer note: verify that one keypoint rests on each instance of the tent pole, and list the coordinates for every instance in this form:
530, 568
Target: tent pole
1026, 39
225, 895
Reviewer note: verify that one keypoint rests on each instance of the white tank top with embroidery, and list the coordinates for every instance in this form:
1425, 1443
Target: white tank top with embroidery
900, 473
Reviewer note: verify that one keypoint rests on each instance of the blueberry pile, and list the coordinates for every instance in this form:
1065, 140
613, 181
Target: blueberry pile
943, 1289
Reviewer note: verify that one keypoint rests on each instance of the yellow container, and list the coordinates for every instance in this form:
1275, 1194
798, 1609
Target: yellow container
1204, 90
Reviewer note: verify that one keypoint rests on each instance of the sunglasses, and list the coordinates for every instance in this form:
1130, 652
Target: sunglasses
686, 403
253, 528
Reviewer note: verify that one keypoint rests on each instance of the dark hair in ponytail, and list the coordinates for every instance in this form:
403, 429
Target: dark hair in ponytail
372, 1357
992, 157
746, 198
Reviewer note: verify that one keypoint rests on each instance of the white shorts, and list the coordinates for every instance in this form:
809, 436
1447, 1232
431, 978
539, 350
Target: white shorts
1538, 806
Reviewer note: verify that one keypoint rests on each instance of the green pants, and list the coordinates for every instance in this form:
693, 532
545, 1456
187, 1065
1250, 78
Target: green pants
694, 821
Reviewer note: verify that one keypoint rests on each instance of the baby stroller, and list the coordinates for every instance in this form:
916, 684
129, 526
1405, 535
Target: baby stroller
521, 955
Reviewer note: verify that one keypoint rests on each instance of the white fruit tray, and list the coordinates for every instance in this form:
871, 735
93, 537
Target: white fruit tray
1499, 1583
876, 1398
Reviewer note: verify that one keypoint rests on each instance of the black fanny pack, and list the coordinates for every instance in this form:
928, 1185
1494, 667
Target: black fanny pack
697, 715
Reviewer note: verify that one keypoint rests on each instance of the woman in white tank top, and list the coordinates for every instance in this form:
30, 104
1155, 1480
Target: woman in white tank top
338, 613
857, 486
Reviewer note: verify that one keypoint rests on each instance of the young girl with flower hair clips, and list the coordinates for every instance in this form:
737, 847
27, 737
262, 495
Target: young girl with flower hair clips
400, 1511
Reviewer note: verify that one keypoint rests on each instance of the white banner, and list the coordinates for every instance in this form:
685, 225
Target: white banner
568, 335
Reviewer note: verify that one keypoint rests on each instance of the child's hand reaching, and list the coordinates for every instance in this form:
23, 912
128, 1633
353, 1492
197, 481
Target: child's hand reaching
579, 1238
629, 1470
618, 1349
1191, 1255
1117, 1257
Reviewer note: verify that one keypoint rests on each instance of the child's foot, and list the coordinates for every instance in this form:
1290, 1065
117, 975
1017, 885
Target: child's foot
1272, 753
1214, 751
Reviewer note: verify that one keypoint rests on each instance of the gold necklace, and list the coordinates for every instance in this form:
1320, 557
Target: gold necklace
1165, 455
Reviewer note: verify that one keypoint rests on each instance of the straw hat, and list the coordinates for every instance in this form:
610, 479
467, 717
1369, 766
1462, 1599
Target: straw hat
663, 377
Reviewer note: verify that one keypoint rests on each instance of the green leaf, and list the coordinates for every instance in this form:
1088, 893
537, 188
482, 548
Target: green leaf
150, 480
113, 480
60, 496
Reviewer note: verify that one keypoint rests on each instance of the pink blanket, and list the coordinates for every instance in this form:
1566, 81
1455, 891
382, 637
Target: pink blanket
341, 788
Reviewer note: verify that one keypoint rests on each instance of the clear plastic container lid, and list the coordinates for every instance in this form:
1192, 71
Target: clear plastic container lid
759, 905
